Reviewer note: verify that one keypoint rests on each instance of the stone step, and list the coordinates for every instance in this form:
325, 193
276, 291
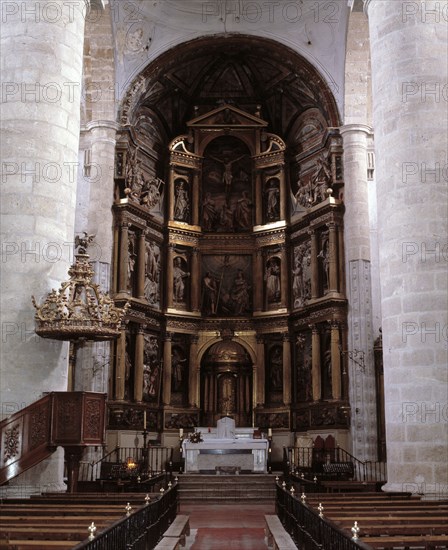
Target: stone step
219, 488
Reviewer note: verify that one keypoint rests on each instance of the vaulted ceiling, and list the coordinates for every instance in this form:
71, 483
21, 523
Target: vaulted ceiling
248, 72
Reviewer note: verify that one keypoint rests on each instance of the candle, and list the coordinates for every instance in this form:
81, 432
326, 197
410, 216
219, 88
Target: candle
144, 420
181, 432
269, 432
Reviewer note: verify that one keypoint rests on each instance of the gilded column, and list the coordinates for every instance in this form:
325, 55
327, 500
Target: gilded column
335, 362
258, 199
206, 392
315, 362
138, 364
333, 257
171, 195
257, 276
284, 279
282, 195
193, 371
169, 275
286, 369
195, 199
314, 266
260, 388
124, 251
120, 372
195, 280
141, 264
167, 367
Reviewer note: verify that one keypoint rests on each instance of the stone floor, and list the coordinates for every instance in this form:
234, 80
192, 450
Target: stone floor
226, 526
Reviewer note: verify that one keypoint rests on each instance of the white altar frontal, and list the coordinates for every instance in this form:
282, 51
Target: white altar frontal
226, 447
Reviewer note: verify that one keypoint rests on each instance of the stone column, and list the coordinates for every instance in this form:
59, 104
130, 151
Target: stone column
40, 112
286, 369
316, 374
260, 396
138, 364
167, 364
193, 371
195, 281
359, 290
409, 75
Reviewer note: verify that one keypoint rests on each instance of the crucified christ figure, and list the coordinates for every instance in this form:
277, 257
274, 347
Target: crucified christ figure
227, 175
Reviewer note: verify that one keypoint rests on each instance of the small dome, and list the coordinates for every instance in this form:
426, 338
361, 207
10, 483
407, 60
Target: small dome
227, 351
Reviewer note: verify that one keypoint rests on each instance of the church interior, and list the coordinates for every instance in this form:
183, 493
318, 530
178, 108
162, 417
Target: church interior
224, 227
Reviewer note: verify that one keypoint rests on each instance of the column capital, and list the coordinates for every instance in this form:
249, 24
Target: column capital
108, 124
358, 128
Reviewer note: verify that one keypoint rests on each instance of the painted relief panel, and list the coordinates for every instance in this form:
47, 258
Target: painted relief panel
226, 285
227, 202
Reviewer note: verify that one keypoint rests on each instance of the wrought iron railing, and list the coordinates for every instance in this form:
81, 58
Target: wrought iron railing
141, 530
311, 461
112, 464
308, 529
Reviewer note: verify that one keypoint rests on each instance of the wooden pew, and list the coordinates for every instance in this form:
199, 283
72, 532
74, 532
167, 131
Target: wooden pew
38, 544
276, 534
387, 523
179, 529
429, 542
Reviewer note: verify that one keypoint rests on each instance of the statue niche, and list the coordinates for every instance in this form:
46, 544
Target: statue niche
226, 186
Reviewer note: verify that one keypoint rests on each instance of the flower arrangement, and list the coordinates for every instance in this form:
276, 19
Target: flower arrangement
195, 437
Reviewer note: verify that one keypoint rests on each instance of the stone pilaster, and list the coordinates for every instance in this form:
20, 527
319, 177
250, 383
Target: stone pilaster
409, 75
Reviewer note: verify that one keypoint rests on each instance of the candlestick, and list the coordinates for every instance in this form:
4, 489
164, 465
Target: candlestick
144, 420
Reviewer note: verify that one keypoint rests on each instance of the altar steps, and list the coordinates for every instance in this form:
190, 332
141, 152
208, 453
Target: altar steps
226, 488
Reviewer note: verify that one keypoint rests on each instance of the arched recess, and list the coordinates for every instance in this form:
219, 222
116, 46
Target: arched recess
255, 74
174, 113
226, 383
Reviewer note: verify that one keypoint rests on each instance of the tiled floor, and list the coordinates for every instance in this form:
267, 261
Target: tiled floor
226, 526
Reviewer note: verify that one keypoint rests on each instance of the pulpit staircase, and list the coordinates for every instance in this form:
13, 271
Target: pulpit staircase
226, 488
